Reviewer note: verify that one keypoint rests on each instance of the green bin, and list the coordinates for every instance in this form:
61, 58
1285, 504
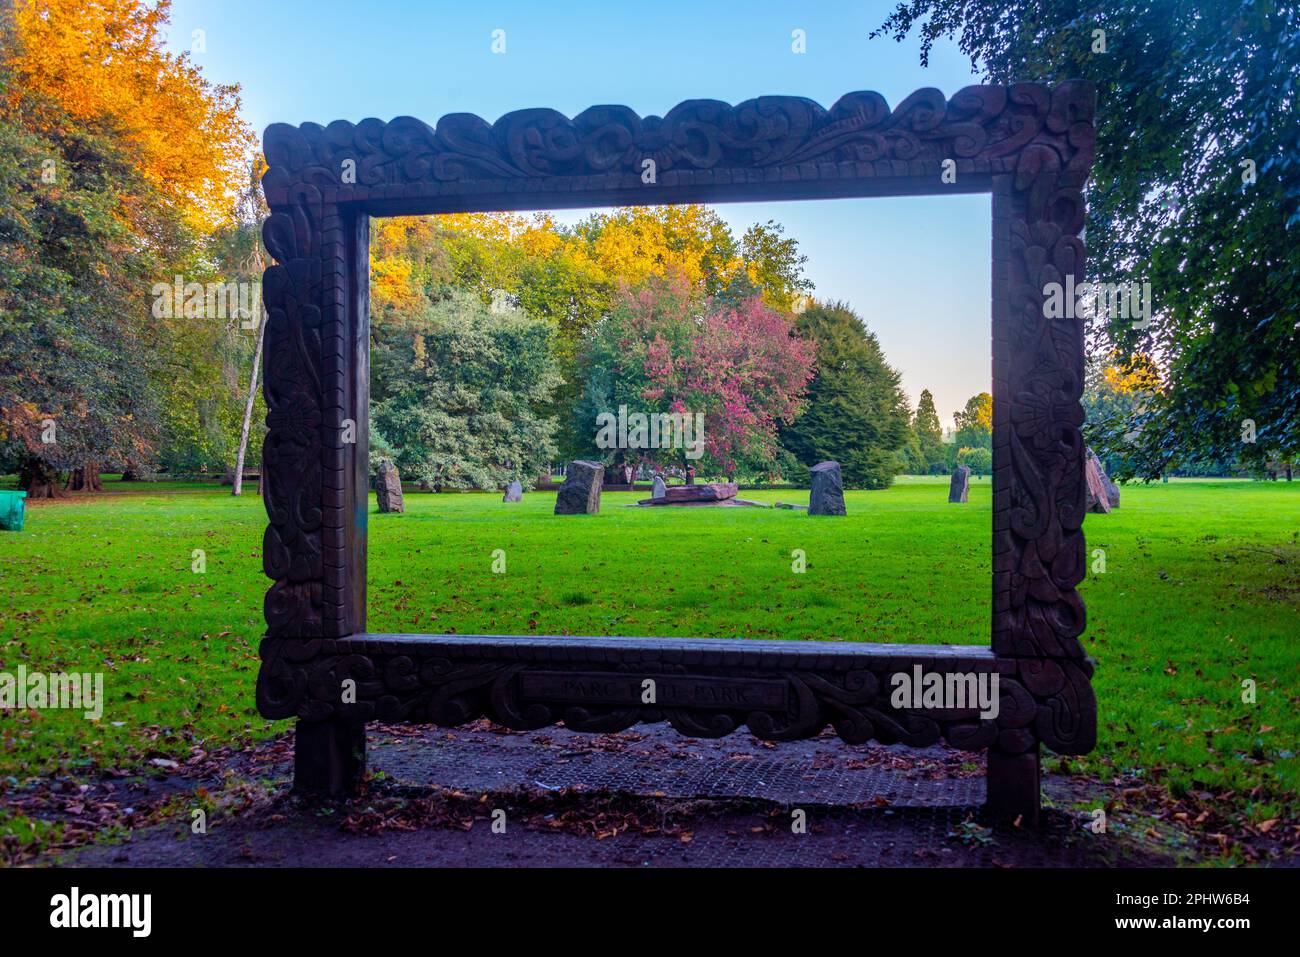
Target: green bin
12, 508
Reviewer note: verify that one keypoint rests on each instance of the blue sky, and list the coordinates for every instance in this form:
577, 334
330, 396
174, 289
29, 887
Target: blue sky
916, 270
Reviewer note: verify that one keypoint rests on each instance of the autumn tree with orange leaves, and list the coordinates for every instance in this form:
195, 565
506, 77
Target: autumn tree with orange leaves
124, 163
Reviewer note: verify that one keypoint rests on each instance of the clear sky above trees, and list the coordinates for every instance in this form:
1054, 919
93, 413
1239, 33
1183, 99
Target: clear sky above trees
391, 58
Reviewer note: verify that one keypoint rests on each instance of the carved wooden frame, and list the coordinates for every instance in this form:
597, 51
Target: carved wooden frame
1028, 145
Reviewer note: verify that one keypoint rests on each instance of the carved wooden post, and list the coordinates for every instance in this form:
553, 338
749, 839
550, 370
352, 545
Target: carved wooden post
315, 454
1038, 454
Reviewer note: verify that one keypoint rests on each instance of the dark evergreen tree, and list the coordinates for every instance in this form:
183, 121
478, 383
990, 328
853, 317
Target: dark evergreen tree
929, 435
856, 413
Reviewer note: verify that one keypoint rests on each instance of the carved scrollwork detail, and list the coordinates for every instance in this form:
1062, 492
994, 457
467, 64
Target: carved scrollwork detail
1041, 380
774, 704
978, 122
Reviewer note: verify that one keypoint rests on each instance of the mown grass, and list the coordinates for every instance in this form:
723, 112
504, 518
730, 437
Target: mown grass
1201, 591
706, 572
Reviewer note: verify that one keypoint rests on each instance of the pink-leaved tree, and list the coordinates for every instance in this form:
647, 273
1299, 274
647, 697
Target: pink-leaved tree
664, 349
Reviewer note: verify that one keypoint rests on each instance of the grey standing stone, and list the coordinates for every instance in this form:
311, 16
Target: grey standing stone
1112, 490
959, 487
580, 493
515, 493
388, 488
660, 487
1095, 486
827, 494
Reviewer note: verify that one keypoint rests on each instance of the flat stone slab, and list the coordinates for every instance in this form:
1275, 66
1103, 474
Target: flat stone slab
710, 492
716, 503
739, 765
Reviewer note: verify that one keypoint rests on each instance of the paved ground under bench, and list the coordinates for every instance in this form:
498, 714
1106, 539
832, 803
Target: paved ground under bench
726, 802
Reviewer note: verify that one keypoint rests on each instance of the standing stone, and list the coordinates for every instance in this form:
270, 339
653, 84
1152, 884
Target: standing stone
515, 493
827, 494
1097, 499
1112, 490
959, 486
580, 493
660, 488
388, 488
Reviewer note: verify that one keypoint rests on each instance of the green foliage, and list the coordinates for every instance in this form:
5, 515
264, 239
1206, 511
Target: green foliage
456, 395
928, 434
856, 413
77, 343
978, 460
975, 423
1192, 95
572, 277
1108, 409
204, 407
774, 265
739, 371
381, 450
911, 460
84, 239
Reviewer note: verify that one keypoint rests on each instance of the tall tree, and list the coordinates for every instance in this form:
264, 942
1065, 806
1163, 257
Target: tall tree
774, 265
78, 351
929, 434
1196, 189
457, 393
125, 156
665, 349
975, 423
857, 413
251, 214
1115, 394
105, 63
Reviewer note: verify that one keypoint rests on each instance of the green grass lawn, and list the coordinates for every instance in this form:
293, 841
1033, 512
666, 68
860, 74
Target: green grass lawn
1201, 590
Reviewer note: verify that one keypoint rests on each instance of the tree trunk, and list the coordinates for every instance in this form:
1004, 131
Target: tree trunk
39, 479
252, 397
86, 478
128, 473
